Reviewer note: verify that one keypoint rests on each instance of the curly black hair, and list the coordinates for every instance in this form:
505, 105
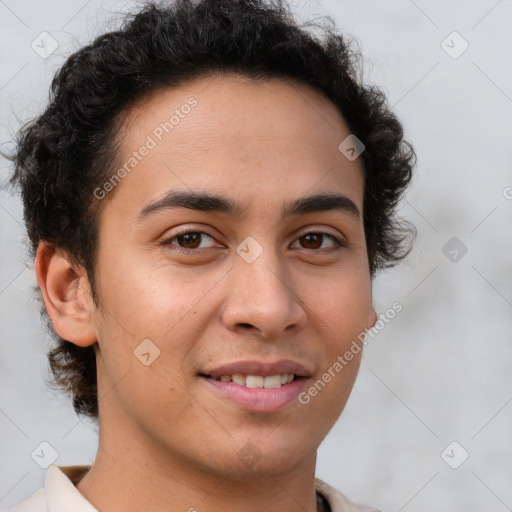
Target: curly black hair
62, 156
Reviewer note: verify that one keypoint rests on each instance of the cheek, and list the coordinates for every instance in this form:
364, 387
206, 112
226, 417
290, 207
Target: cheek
149, 300
339, 312
324, 400
139, 304
340, 304
156, 303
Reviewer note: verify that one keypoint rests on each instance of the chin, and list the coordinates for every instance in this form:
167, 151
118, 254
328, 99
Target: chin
261, 459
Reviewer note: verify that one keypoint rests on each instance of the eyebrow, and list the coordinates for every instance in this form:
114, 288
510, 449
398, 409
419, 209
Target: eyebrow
215, 203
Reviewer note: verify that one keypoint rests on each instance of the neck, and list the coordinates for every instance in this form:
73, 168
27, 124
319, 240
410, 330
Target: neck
130, 473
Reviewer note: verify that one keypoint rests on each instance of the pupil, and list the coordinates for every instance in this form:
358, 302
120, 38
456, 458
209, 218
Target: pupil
191, 238
311, 239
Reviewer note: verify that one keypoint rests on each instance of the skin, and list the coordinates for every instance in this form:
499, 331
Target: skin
166, 438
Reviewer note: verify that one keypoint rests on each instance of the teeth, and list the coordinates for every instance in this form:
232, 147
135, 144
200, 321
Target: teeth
253, 381
257, 381
238, 379
272, 381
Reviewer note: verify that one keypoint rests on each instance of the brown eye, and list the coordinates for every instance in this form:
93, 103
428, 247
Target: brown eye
315, 241
188, 241
312, 241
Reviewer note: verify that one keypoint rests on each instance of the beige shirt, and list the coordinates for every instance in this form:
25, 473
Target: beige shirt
59, 494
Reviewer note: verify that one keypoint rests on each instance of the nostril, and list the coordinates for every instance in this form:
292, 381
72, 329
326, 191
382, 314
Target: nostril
246, 325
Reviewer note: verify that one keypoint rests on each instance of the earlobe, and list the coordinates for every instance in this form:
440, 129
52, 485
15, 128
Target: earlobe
66, 293
372, 318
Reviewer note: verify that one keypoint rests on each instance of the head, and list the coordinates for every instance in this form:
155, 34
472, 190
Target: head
168, 197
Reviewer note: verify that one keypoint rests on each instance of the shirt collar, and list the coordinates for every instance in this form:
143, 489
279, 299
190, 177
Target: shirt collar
61, 493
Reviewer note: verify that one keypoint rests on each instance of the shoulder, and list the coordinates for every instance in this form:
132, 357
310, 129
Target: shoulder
59, 493
337, 501
36, 503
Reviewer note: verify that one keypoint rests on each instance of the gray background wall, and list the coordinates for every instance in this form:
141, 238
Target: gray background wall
439, 372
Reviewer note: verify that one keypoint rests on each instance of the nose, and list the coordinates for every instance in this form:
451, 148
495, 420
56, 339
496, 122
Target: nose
263, 298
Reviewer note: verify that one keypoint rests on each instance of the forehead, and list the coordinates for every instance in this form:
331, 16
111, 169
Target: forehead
256, 140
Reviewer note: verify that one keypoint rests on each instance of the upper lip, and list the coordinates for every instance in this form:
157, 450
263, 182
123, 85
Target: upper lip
258, 368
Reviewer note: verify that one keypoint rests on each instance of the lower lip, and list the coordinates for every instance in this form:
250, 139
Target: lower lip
259, 399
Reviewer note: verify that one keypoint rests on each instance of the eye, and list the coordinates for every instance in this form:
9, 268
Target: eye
188, 240
315, 241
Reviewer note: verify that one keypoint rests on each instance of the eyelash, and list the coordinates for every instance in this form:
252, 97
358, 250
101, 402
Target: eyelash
336, 248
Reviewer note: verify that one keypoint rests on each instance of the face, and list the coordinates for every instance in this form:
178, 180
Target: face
196, 294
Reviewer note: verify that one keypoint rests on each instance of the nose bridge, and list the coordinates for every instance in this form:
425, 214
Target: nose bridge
262, 295
261, 272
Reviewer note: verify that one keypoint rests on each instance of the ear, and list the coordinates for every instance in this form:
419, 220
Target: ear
372, 318
67, 295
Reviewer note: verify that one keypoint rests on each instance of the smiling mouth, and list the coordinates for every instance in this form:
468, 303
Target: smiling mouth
259, 386
257, 393
257, 381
